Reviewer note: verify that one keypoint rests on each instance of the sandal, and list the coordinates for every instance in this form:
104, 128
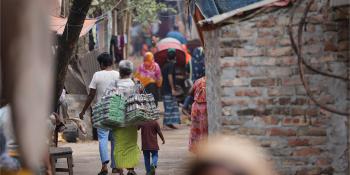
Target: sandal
103, 173
131, 172
117, 170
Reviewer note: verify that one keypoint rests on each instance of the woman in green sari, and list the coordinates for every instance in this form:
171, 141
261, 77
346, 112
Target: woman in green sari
126, 151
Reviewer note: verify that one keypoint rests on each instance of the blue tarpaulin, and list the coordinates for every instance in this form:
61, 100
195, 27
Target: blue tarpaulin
210, 8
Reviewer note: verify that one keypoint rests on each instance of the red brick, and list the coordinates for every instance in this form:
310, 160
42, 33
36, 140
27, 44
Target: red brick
263, 82
231, 43
281, 132
270, 120
305, 152
318, 141
284, 101
343, 34
247, 33
287, 60
226, 52
295, 121
280, 91
311, 48
298, 111
252, 131
323, 161
228, 32
280, 110
285, 42
253, 112
291, 81
228, 122
265, 61
312, 132
312, 112
344, 46
248, 52
329, 46
235, 82
248, 92
309, 171
232, 63
266, 101
269, 22
280, 51
234, 102
266, 42
299, 101
326, 58
316, 18
298, 142
276, 31
318, 122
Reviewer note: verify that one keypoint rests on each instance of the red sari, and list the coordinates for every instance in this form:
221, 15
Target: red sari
199, 116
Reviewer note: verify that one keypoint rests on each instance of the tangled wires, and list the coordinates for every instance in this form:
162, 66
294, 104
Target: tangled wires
297, 47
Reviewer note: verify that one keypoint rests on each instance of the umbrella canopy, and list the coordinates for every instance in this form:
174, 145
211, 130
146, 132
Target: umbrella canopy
177, 35
162, 53
167, 40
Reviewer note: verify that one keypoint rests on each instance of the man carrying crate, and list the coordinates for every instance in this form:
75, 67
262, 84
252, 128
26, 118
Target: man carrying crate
100, 82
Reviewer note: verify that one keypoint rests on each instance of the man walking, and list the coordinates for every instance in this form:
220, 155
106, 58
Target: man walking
99, 83
171, 108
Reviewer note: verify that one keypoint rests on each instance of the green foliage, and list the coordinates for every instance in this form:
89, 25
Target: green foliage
143, 11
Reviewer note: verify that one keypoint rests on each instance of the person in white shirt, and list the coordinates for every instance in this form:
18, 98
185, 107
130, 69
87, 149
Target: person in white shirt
99, 83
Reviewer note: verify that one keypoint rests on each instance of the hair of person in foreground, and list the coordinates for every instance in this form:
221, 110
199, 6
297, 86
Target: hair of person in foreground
230, 155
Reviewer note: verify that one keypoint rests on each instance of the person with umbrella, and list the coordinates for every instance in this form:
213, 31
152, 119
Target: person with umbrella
171, 108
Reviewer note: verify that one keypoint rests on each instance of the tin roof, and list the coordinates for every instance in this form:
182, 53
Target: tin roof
216, 11
57, 24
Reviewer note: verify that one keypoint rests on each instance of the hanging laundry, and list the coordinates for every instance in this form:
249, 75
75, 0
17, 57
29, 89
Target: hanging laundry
91, 41
125, 39
117, 48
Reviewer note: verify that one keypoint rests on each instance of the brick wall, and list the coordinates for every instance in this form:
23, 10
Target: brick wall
262, 96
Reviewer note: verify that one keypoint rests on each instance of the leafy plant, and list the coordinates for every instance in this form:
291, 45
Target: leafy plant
143, 12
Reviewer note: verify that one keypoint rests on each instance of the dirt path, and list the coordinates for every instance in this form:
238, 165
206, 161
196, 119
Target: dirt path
172, 156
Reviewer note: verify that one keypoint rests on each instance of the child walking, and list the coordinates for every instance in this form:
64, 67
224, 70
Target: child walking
150, 147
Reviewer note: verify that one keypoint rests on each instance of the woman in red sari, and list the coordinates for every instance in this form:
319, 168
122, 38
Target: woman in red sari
199, 116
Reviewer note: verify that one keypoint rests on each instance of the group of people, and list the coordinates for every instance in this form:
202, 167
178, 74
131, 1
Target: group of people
125, 153
216, 157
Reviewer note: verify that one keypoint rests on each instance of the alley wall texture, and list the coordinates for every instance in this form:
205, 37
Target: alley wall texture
254, 87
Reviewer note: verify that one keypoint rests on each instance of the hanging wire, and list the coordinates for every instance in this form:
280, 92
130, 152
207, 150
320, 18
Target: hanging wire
297, 47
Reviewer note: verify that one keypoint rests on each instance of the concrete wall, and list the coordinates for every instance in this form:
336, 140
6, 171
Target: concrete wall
262, 97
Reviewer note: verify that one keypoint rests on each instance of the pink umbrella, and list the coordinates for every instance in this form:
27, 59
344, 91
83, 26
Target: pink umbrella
162, 53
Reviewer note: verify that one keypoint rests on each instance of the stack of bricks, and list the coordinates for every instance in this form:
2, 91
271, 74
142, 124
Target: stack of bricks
261, 95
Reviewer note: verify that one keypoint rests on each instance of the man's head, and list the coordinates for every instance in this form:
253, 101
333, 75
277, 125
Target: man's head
105, 60
171, 54
126, 68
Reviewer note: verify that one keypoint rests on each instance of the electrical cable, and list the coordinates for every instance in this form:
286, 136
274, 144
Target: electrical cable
297, 47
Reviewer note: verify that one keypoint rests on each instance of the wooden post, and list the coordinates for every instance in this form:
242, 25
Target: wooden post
127, 31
